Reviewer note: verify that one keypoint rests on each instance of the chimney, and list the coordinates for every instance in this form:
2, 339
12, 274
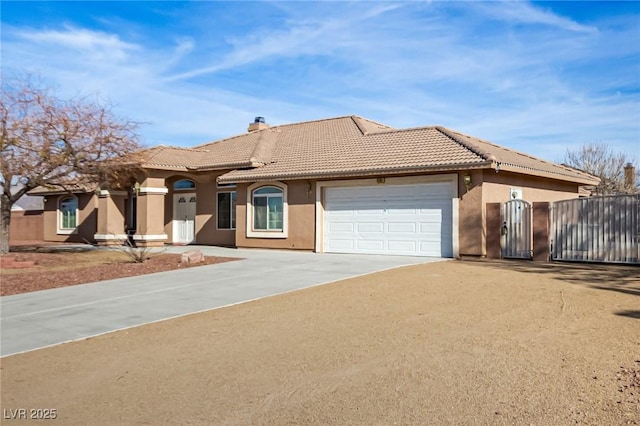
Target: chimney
258, 124
629, 176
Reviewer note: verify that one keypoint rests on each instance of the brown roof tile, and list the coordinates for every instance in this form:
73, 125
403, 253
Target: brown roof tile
351, 146
172, 158
66, 189
338, 147
231, 152
508, 159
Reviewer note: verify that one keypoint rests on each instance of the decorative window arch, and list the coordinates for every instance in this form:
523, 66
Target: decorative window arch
184, 185
67, 214
267, 210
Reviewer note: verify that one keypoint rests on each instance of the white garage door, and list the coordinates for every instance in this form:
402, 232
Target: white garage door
411, 220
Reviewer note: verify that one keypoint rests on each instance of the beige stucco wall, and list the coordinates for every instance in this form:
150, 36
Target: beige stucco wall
486, 186
495, 188
491, 187
87, 219
301, 219
111, 210
471, 228
206, 229
155, 210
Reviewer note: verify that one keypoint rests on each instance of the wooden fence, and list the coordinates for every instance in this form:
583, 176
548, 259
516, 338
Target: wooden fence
597, 229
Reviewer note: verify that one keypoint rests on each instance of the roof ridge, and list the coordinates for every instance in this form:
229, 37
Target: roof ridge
342, 117
263, 151
359, 125
162, 147
358, 120
408, 129
470, 146
221, 140
270, 128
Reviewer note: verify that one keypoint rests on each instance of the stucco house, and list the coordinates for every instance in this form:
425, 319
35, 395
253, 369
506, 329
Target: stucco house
339, 185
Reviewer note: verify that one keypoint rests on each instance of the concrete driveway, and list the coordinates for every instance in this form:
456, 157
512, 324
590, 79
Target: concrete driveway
35, 320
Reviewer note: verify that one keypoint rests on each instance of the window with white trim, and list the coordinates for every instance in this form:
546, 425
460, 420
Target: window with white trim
268, 209
67, 214
226, 210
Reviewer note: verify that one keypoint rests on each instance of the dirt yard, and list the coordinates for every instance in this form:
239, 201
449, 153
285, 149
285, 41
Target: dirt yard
442, 343
63, 265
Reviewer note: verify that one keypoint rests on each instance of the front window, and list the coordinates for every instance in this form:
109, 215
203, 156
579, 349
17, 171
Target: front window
227, 210
68, 213
268, 211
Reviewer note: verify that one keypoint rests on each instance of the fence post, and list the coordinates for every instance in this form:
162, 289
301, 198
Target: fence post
541, 231
493, 225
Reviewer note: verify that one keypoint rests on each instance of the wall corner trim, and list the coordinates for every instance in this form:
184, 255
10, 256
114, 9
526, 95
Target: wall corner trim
153, 190
150, 237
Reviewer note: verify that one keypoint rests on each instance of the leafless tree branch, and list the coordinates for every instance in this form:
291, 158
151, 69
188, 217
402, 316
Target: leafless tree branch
48, 141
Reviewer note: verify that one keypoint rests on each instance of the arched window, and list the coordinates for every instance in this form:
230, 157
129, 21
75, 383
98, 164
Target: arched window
68, 213
184, 184
268, 209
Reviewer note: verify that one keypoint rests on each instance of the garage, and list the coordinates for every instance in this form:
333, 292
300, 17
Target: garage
414, 220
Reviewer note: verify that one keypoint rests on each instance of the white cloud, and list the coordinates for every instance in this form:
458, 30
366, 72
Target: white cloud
528, 86
301, 37
98, 45
520, 12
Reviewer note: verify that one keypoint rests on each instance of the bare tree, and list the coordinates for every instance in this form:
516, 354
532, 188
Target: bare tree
600, 160
46, 141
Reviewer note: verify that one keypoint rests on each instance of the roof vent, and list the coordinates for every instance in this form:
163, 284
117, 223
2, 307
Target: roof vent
258, 124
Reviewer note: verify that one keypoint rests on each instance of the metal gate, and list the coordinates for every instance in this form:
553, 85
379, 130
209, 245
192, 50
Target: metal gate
597, 229
516, 230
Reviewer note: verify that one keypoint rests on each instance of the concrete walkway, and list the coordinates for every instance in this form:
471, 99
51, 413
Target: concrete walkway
35, 320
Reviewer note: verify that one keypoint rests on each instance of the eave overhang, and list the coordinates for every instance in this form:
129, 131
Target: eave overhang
234, 177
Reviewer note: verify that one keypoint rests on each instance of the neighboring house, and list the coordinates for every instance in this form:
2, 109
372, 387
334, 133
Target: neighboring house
343, 185
28, 203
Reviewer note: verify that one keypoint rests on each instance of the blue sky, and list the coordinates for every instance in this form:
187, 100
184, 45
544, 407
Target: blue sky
538, 77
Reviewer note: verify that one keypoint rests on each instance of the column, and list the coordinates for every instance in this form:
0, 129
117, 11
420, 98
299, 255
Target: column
111, 223
150, 219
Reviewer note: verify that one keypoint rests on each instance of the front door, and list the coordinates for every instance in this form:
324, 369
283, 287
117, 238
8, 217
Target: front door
184, 218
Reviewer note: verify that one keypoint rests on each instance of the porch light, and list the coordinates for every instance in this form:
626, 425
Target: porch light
467, 181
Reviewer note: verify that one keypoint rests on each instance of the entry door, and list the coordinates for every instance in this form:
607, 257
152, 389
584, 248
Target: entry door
184, 218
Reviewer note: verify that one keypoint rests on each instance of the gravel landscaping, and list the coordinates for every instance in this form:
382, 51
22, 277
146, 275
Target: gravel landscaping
458, 342
61, 266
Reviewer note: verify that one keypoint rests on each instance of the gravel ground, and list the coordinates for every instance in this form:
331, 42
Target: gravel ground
68, 265
455, 342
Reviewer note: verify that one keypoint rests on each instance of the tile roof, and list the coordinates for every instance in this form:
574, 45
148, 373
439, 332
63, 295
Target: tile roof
351, 146
509, 159
66, 189
171, 158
